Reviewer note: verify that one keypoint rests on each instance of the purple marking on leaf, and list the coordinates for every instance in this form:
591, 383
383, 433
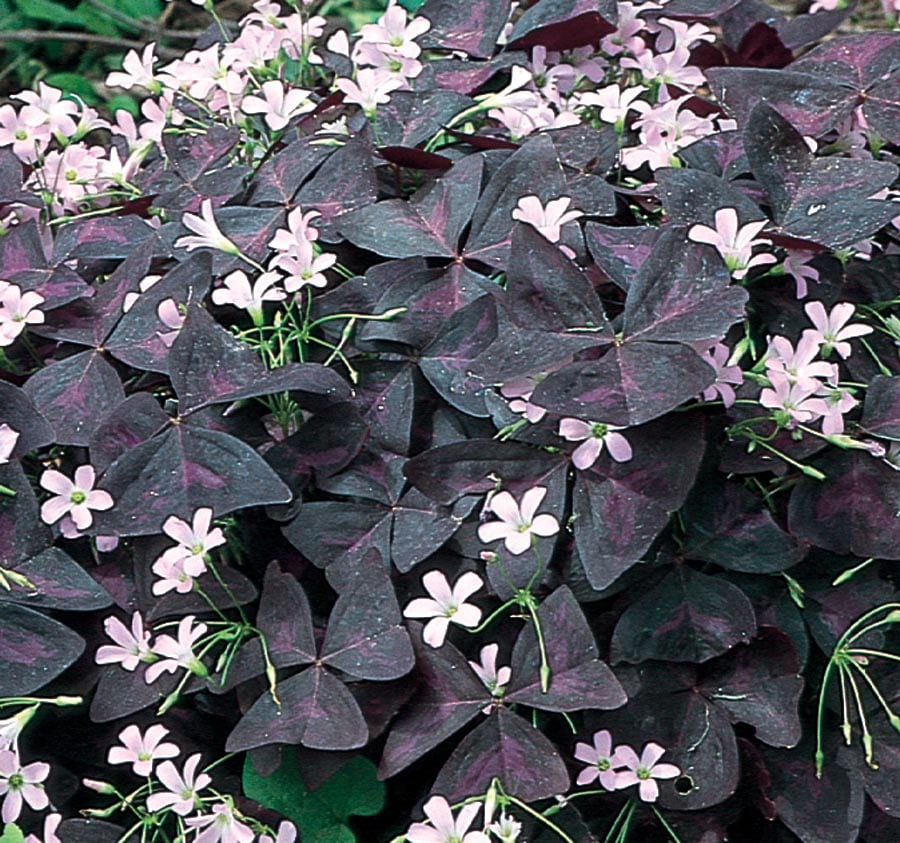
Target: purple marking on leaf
853, 510
135, 420
881, 413
620, 252
18, 411
121, 692
578, 679
285, 619
101, 238
59, 583
316, 711
34, 649
280, 177
686, 617
22, 533
74, 394
564, 24
721, 154
180, 470
412, 117
472, 27
679, 190
21, 249
506, 747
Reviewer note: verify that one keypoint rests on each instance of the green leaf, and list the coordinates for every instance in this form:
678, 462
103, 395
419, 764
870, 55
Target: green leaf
320, 815
126, 102
12, 834
47, 10
411, 5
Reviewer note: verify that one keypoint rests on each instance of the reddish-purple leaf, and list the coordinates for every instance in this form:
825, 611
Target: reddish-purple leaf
564, 24
74, 394
122, 692
415, 159
285, 619
620, 252
208, 365
412, 117
578, 679
101, 238
135, 420
881, 413
181, 470
34, 649
279, 178
316, 711
472, 27
686, 617
508, 748
22, 533
58, 583
18, 411
679, 189
821, 199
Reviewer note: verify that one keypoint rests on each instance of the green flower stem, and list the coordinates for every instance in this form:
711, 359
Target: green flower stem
820, 716
844, 576
891, 716
618, 832
884, 370
808, 470
669, 830
540, 818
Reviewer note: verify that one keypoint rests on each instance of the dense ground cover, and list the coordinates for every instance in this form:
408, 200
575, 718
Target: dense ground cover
481, 426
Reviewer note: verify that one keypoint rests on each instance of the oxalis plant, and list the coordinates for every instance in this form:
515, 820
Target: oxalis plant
479, 427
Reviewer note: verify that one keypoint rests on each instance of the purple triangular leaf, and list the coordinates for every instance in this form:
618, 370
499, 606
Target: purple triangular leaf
18, 411
428, 224
578, 679
58, 583
106, 238
316, 711
181, 470
73, 395
564, 24
631, 384
508, 748
34, 649
620, 251
881, 413
208, 365
472, 28
365, 637
278, 179
852, 510
686, 617
285, 619
412, 117
22, 533
135, 420
679, 189
122, 692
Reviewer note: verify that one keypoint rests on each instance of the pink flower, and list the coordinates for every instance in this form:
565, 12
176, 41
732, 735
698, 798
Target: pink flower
832, 330
206, 232
131, 647
138, 71
643, 771
372, 88
735, 244
547, 220
595, 436
613, 102
181, 788
393, 34
179, 565
221, 826
299, 231
8, 439
48, 108
176, 573
18, 784
796, 264
517, 525
493, 678
792, 402
170, 314
304, 267
444, 827
799, 364
600, 758
837, 402
27, 141
277, 105
445, 605
287, 833
73, 499
520, 391
178, 652
17, 309
142, 751
717, 357
236, 291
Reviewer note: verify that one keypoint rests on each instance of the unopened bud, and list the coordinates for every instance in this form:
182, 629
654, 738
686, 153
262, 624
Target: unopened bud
100, 787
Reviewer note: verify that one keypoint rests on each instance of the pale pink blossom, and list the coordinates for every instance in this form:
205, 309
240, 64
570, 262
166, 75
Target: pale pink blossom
178, 652
17, 309
8, 440
299, 231
494, 678
444, 605
595, 436
512, 95
628, 25
832, 330
76, 499
304, 267
549, 219
550, 75
182, 788
717, 357
599, 757
196, 539
48, 108
506, 829
519, 390
372, 88
643, 771
20, 784
142, 751
206, 232
799, 364
444, 827
838, 401
664, 129
394, 34
176, 573
793, 402
11, 727
27, 141
221, 826
613, 102
675, 33
277, 105
137, 71
672, 68
517, 525
237, 291
733, 242
132, 646
287, 833
825, 6
796, 264
51, 825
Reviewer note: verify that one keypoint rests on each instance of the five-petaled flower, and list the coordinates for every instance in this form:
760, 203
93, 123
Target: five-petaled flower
178, 652
75, 499
181, 788
18, 784
517, 524
643, 771
17, 309
733, 242
142, 751
494, 678
549, 219
221, 826
131, 647
595, 436
445, 828
600, 759
832, 330
180, 565
207, 234
445, 605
